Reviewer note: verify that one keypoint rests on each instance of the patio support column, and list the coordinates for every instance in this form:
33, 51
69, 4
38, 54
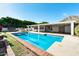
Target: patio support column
28, 28
72, 28
44, 28
38, 28
32, 28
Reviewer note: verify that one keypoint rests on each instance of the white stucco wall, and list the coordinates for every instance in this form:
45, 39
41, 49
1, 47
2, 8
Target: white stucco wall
55, 29
67, 29
4, 29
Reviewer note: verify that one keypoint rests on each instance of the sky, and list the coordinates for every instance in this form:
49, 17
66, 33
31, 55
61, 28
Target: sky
39, 12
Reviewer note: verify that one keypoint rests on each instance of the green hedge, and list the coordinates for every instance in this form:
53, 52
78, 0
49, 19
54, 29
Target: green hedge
77, 30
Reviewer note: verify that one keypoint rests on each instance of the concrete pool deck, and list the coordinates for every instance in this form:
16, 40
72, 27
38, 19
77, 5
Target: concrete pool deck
68, 47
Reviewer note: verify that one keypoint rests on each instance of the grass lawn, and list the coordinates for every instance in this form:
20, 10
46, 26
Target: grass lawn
18, 48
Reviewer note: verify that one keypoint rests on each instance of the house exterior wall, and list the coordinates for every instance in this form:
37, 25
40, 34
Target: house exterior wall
4, 29
67, 29
35, 28
55, 29
48, 28
42, 28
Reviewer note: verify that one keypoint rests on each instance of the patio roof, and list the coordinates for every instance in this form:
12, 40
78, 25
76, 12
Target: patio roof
59, 23
55, 23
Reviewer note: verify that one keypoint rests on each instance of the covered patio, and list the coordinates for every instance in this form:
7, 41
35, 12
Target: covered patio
61, 27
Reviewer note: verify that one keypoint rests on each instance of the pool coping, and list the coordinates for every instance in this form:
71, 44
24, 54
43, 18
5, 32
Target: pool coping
31, 47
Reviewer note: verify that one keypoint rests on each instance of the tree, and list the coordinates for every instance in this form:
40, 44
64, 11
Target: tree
12, 22
43, 23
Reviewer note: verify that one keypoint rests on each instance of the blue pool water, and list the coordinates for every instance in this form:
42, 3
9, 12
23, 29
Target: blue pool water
42, 41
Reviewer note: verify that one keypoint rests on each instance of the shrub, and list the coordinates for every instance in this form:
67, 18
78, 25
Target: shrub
77, 30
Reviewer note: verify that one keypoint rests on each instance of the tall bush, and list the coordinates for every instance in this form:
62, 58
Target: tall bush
77, 30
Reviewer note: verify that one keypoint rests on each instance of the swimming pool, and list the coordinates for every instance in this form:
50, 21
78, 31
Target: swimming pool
42, 41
